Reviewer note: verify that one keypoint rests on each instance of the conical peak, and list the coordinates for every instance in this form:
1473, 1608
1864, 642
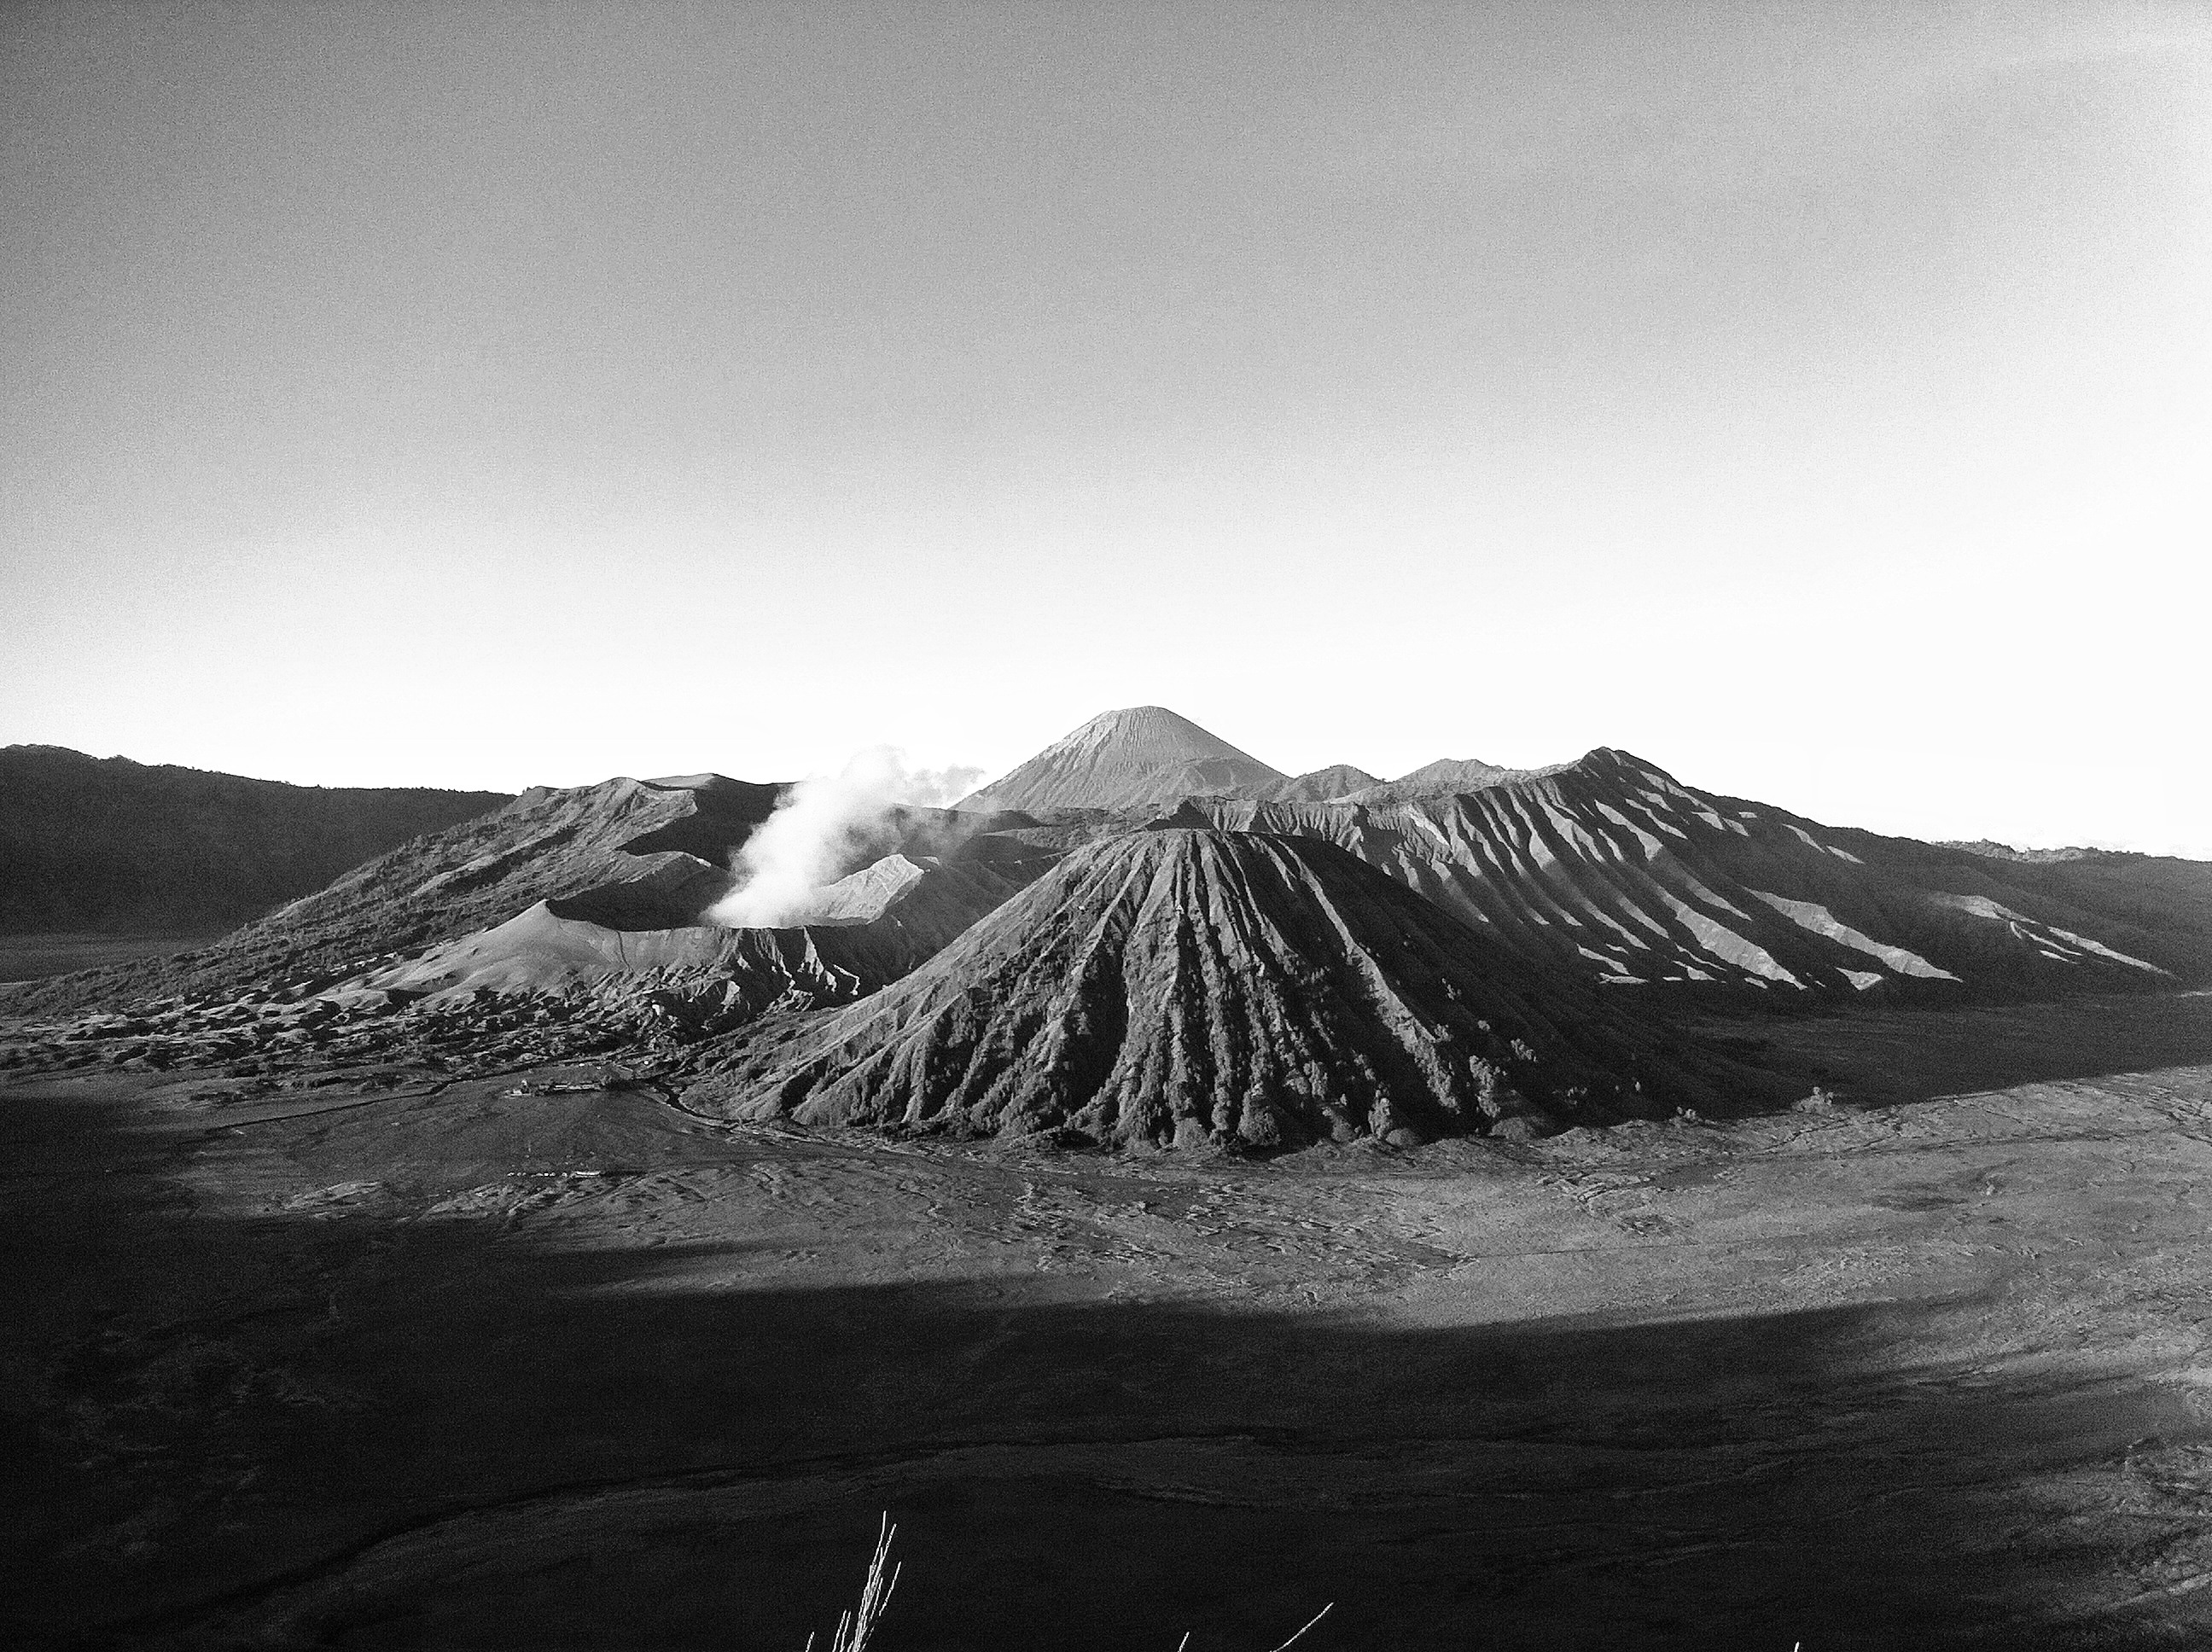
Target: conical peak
1130, 758
1204, 986
1153, 729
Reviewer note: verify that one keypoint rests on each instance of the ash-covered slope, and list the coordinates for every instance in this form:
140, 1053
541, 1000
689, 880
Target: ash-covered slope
1186, 986
1611, 868
1321, 784
106, 844
1446, 777
667, 840
1126, 760
574, 925
603, 945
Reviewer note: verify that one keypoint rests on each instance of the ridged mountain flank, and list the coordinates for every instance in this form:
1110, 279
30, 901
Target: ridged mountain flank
659, 837
1323, 785
1128, 759
1190, 986
1610, 868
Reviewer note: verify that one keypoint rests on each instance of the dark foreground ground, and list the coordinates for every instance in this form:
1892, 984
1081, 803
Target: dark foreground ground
463, 1367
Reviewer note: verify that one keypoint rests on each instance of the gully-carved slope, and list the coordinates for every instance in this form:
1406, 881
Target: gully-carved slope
1185, 986
666, 837
1610, 868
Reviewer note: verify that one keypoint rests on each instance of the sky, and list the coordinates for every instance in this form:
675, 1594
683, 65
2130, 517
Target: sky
1815, 400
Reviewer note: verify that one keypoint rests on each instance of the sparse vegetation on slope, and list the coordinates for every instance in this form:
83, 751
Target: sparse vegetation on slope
856, 1627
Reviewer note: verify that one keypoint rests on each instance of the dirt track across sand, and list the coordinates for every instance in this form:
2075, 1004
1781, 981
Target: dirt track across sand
470, 1367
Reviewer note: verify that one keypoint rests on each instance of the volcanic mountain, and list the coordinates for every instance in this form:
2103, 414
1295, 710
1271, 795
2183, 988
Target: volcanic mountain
595, 899
1321, 784
106, 844
1447, 777
1259, 959
1181, 987
621, 944
1126, 760
1610, 868
654, 836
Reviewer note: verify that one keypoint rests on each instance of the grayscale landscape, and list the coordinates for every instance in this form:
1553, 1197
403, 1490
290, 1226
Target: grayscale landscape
1273, 1195
1132, 828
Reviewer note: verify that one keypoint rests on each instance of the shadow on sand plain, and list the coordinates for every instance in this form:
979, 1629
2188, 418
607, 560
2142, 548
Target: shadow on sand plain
371, 1430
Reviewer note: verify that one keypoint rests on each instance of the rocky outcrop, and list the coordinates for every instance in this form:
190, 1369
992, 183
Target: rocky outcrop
1989, 849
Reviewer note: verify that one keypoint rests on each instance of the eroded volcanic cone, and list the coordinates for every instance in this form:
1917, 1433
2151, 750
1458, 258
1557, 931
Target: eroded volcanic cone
1192, 986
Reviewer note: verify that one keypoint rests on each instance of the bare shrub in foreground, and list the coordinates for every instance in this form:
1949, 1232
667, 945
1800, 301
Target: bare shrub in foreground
855, 1627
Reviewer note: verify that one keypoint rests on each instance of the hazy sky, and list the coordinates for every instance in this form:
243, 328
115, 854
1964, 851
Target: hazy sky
1816, 400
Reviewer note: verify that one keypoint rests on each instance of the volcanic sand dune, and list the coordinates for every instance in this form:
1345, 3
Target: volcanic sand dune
1174, 986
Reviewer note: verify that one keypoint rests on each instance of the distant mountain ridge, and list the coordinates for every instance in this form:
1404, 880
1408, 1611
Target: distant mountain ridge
1449, 777
1990, 849
1167, 944
658, 845
1323, 785
106, 844
1610, 868
1600, 879
1144, 756
565, 885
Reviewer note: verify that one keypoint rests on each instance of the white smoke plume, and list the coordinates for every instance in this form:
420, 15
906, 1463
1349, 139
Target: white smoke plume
821, 825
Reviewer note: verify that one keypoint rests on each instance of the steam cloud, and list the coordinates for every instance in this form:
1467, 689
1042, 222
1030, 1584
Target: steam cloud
822, 823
